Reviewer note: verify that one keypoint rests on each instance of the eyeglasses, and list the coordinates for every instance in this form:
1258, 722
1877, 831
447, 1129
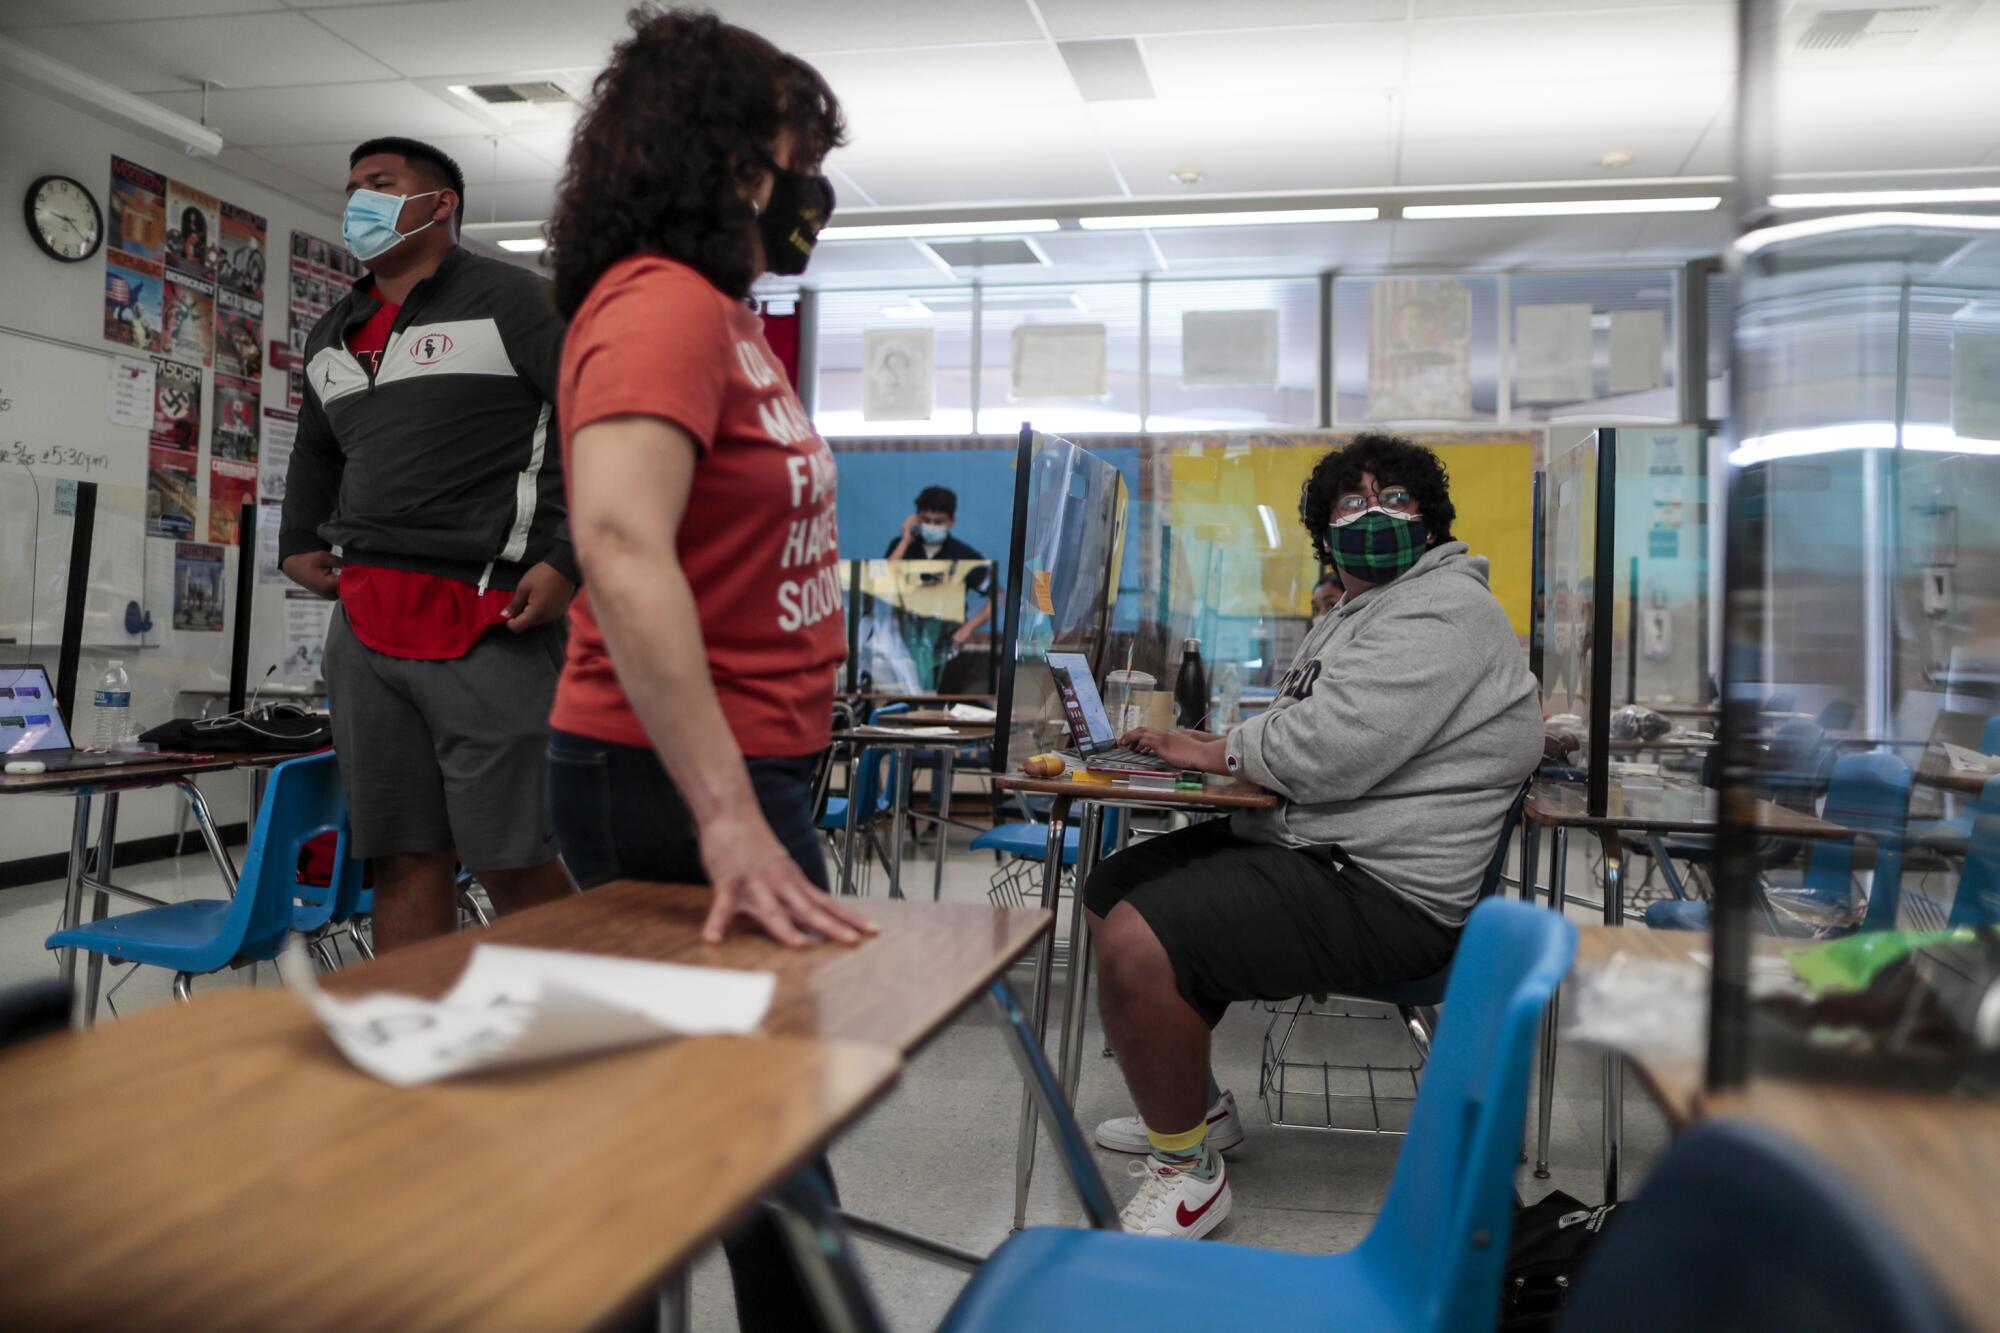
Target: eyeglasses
1395, 499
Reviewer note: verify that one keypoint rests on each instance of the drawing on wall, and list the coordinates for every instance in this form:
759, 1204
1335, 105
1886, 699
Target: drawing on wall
897, 379
1059, 361
1419, 350
1229, 347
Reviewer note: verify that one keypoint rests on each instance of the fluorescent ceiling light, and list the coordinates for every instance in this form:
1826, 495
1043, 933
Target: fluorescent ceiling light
1541, 208
1262, 218
890, 231
1866, 198
527, 245
72, 85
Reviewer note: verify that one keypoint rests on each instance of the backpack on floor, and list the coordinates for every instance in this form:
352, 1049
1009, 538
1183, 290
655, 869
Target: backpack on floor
1551, 1238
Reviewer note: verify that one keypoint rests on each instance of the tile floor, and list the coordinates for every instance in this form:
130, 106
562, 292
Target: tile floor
937, 1155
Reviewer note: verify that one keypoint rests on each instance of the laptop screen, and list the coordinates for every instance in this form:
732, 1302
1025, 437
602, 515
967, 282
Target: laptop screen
1088, 723
29, 719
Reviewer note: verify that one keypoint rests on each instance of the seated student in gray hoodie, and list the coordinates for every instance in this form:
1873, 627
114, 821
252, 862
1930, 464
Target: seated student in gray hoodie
1404, 727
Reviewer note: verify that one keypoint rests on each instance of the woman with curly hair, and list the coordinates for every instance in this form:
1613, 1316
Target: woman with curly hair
698, 686
1399, 737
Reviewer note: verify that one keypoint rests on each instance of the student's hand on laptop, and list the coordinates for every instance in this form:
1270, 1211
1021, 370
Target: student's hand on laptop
1183, 749
755, 876
542, 595
315, 571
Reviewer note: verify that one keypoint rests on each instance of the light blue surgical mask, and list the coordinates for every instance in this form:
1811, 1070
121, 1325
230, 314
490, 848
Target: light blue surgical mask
369, 224
933, 533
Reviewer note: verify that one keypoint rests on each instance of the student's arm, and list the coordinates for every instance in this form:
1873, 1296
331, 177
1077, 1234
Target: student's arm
902, 543
533, 335
629, 483
964, 633
1373, 709
312, 485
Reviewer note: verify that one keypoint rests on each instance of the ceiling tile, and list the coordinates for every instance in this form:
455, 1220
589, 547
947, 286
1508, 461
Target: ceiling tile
1238, 145
1497, 242
964, 129
30, 13
1448, 111
896, 180
1564, 157
1277, 61
1025, 74
1259, 169
517, 201
311, 113
248, 165
427, 38
1125, 18
1562, 48
237, 51
1125, 250
866, 25
852, 260
1431, 9
326, 163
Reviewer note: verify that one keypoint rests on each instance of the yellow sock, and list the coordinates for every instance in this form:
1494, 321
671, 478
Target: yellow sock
1178, 1145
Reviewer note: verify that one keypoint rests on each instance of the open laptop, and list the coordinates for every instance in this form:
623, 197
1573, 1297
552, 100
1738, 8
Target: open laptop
1089, 725
31, 725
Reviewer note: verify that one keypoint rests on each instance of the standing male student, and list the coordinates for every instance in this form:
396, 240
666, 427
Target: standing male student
424, 495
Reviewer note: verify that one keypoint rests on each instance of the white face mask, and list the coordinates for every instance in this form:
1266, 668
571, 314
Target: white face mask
933, 533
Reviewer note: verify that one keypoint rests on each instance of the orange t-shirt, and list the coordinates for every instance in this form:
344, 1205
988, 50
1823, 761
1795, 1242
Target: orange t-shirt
655, 338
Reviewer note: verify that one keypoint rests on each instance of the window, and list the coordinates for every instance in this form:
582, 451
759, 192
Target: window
1440, 347
1003, 310
1624, 364
904, 324
1245, 381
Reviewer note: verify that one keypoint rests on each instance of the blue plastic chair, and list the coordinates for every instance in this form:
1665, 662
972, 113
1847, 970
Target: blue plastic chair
1029, 841
1869, 793
1951, 833
302, 799
870, 785
1978, 901
1741, 1227
1434, 1257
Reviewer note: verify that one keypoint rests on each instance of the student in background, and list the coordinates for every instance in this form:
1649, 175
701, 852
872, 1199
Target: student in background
1325, 593
698, 690
422, 455
927, 535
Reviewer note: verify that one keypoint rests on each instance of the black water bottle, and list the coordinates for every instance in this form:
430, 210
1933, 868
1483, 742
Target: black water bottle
1191, 688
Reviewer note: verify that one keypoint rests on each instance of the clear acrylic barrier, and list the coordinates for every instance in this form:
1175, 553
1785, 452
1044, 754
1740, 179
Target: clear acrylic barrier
908, 618
1569, 543
1069, 539
1659, 644
1863, 664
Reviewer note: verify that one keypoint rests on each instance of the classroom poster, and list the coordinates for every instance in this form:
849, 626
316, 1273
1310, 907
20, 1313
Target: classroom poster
133, 289
896, 379
240, 261
138, 211
239, 334
275, 457
235, 434
194, 231
231, 485
269, 570
321, 273
176, 406
131, 403
198, 587
306, 617
170, 492
1419, 350
189, 311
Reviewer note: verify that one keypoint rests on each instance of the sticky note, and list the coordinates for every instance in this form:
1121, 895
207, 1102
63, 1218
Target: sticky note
1045, 601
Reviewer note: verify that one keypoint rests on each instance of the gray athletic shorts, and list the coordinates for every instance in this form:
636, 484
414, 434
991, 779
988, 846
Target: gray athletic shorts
452, 755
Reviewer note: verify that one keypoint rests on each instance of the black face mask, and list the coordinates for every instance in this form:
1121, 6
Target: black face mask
790, 224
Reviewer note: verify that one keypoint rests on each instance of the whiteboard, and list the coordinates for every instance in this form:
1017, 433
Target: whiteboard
57, 418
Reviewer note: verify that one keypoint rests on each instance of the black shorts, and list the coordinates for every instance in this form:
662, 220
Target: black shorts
1249, 921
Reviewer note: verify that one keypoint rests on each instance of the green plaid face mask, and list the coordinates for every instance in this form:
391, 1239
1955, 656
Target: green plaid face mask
1377, 545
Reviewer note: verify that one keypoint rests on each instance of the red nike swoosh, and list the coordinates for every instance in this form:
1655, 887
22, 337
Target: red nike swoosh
1218, 1117
1188, 1219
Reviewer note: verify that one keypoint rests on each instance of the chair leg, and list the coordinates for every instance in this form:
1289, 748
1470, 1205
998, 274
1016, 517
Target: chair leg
1421, 1020
183, 989
361, 944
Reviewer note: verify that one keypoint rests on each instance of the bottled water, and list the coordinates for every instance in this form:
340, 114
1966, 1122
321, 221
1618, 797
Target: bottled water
114, 707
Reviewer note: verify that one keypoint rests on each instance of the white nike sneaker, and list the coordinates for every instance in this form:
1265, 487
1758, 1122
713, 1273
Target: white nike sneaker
1173, 1202
1127, 1133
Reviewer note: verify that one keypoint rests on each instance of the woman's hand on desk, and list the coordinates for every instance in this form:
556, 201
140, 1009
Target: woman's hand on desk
1196, 750
755, 876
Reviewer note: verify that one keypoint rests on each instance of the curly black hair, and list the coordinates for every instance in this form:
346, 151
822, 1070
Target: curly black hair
686, 113
1394, 461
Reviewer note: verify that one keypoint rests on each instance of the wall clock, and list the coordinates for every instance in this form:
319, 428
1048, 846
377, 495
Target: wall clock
64, 219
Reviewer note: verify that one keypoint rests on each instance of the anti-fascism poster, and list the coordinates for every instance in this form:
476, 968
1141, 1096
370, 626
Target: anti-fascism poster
235, 434
173, 450
240, 265
239, 333
194, 231
189, 311
321, 273
198, 587
231, 485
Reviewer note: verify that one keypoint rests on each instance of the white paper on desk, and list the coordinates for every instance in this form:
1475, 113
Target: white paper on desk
872, 729
1965, 760
972, 713
519, 1006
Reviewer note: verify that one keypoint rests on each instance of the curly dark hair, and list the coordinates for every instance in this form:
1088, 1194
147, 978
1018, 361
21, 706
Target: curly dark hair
686, 113
1395, 461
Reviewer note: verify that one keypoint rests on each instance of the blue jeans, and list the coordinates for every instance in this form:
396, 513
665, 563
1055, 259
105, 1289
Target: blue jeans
618, 816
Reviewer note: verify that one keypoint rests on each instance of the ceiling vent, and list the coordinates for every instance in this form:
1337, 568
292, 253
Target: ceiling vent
1107, 69
986, 254
539, 92
1861, 30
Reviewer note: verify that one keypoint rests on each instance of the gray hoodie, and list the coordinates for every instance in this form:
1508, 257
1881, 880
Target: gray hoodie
1406, 724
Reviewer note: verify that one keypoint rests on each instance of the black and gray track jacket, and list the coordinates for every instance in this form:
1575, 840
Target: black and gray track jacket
443, 460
